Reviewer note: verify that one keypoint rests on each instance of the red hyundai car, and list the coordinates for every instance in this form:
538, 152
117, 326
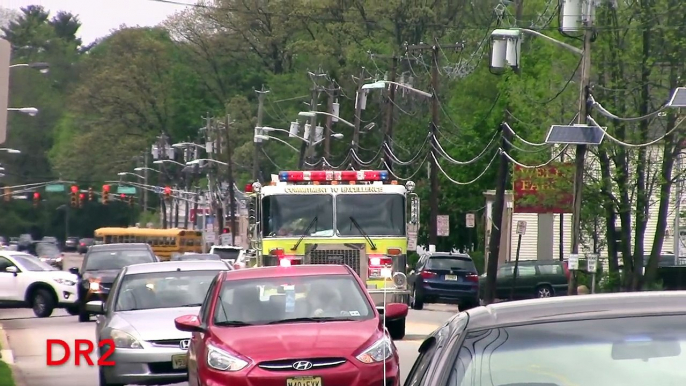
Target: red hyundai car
304, 325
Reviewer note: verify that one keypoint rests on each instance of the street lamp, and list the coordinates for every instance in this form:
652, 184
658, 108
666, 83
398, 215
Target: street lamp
145, 168
42, 67
187, 144
32, 111
267, 137
381, 84
10, 151
161, 161
199, 161
122, 174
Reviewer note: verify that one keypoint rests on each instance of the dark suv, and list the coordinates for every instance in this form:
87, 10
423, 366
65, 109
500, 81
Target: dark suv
535, 279
447, 276
101, 265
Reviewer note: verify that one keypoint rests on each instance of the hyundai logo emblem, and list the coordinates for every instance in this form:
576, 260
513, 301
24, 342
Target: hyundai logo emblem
302, 365
184, 344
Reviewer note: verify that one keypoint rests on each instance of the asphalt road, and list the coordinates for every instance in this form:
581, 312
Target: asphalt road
27, 337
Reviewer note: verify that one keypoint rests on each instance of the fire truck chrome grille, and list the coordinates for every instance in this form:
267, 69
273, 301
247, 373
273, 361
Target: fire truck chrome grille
349, 257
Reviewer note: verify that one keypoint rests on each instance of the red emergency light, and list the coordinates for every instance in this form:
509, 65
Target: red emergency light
330, 175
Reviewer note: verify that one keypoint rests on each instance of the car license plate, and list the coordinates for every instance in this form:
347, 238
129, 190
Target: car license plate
179, 362
304, 381
451, 277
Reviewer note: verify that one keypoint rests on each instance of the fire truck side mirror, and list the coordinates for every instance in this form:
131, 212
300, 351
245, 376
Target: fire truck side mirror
414, 208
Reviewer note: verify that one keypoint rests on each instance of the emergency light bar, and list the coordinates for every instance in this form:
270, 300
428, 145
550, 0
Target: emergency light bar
330, 175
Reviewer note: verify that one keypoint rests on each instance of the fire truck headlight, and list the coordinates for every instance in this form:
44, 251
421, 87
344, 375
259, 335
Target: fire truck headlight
400, 280
256, 186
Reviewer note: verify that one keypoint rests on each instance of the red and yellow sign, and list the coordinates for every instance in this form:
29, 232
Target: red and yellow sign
548, 189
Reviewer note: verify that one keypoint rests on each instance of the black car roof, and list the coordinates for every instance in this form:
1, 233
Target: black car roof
566, 308
107, 247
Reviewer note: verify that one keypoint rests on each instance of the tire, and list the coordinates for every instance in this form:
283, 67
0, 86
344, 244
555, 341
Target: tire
73, 310
417, 300
396, 328
103, 380
42, 303
544, 291
84, 316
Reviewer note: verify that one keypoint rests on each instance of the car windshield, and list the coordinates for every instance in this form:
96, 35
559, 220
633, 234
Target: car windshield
146, 291
30, 263
375, 214
227, 254
47, 250
450, 262
633, 351
291, 215
115, 260
291, 300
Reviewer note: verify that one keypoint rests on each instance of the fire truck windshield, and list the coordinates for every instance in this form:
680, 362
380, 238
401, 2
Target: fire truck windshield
289, 215
376, 214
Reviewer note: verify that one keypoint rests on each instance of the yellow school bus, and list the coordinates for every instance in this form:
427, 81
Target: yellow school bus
164, 242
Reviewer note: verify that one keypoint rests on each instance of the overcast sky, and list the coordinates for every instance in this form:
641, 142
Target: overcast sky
99, 17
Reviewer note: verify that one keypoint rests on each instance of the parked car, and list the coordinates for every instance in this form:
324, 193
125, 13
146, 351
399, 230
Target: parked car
535, 279
603, 339
145, 299
445, 276
298, 325
84, 244
29, 282
101, 265
234, 255
71, 244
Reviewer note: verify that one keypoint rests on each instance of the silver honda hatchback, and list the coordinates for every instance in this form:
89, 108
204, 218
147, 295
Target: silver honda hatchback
139, 317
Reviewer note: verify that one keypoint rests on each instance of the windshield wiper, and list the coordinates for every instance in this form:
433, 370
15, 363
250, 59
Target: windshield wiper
305, 233
363, 233
232, 323
312, 319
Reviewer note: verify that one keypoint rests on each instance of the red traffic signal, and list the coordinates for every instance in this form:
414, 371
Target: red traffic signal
105, 188
36, 196
82, 196
122, 196
74, 189
167, 190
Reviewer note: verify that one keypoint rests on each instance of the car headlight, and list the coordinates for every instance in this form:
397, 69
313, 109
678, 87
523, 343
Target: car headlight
66, 282
124, 339
219, 359
94, 286
381, 350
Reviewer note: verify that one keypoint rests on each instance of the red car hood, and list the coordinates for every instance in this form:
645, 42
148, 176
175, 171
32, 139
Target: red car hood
298, 340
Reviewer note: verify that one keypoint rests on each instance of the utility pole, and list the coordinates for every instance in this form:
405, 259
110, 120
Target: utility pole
435, 117
388, 124
358, 113
497, 215
232, 193
258, 144
580, 154
331, 94
146, 158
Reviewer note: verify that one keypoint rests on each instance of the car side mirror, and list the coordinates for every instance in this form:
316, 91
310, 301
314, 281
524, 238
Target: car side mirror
12, 269
188, 323
74, 270
95, 307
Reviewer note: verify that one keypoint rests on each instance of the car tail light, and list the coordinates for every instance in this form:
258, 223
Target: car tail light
566, 267
427, 275
83, 244
474, 278
380, 261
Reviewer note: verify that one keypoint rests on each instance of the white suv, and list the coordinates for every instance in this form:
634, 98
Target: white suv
27, 281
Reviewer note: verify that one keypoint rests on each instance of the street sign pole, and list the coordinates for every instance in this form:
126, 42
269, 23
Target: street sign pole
592, 266
470, 221
521, 231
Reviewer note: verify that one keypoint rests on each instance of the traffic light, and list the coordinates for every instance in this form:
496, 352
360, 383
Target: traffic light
74, 196
36, 198
90, 194
7, 194
122, 197
105, 194
131, 201
167, 192
82, 198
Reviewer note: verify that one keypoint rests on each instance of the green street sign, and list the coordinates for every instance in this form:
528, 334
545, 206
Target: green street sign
126, 190
54, 188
